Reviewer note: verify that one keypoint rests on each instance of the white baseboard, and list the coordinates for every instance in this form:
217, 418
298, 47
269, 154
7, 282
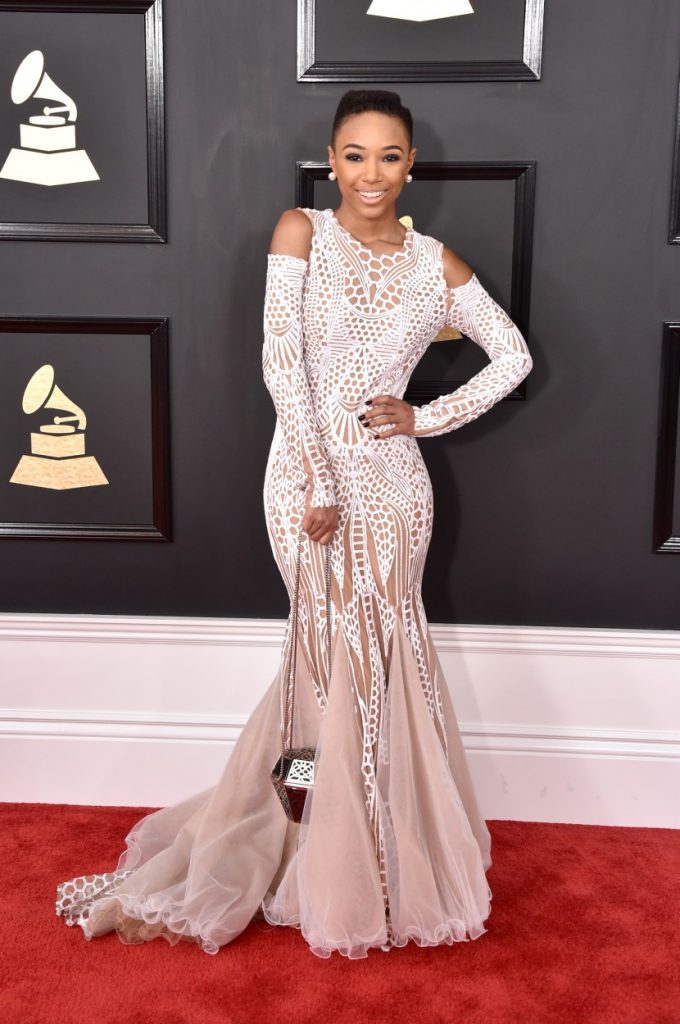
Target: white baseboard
569, 725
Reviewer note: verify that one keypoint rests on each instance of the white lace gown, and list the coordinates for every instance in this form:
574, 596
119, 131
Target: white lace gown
392, 845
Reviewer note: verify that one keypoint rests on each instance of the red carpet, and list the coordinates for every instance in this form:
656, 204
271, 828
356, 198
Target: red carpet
584, 929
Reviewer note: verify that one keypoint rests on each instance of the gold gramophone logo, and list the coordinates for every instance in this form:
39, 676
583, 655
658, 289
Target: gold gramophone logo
47, 153
447, 333
57, 458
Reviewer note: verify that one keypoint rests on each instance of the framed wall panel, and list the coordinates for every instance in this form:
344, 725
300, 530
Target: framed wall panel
500, 40
84, 438
674, 225
667, 491
82, 130
485, 213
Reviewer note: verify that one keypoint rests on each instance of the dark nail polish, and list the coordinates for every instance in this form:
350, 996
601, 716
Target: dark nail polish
368, 401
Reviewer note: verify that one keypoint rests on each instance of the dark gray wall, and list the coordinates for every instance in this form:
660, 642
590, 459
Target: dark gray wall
543, 509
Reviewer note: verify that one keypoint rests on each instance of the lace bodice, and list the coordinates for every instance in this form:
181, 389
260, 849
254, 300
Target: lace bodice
346, 325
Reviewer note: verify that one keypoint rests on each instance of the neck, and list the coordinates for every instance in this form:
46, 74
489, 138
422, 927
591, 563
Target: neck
384, 227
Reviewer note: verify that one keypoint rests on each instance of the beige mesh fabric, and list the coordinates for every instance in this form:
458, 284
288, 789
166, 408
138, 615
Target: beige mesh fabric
392, 846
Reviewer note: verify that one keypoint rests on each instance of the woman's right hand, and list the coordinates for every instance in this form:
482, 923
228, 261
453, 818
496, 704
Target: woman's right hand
320, 524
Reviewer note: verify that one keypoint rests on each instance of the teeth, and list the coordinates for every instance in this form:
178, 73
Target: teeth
371, 194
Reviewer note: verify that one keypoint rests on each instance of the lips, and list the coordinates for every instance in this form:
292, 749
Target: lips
371, 196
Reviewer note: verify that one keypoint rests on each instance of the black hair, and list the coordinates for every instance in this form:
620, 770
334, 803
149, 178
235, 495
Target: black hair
358, 101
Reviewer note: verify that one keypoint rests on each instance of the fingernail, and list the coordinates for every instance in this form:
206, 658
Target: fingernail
368, 401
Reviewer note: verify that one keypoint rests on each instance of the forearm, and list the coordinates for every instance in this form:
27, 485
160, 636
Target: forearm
285, 377
479, 317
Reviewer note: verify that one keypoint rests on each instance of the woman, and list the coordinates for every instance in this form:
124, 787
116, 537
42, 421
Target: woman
392, 845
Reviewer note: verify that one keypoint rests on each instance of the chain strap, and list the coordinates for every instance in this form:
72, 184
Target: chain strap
289, 696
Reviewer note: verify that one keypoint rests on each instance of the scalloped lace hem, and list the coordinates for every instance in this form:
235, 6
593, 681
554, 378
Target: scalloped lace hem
135, 924
131, 919
447, 932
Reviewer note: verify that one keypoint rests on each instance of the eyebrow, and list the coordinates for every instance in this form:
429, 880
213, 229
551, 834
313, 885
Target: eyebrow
357, 146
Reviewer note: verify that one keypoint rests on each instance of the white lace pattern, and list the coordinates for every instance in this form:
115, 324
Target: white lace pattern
357, 325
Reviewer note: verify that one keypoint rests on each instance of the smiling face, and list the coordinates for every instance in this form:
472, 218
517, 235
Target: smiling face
371, 158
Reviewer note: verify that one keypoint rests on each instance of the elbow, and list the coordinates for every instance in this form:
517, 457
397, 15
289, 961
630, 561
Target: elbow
265, 371
518, 366
521, 367
525, 362
268, 375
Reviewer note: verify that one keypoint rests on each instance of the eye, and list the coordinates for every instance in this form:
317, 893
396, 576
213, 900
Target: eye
391, 157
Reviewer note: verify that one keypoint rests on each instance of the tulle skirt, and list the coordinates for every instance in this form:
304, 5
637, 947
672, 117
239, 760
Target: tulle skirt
201, 869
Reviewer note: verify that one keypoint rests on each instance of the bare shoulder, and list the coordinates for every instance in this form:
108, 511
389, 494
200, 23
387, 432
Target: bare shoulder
456, 270
292, 235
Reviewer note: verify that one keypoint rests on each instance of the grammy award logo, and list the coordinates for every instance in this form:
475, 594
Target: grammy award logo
57, 458
47, 153
423, 10
447, 333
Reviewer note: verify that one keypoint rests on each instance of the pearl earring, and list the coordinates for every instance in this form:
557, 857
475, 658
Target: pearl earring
332, 175
409, 177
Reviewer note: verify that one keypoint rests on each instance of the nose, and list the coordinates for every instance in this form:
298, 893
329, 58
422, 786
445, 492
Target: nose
372, 173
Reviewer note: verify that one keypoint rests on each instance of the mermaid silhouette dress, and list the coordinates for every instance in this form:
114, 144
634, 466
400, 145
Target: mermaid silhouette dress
392, 845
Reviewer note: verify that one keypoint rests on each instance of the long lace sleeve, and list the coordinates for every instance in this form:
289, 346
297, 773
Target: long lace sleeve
477, 316
285, 376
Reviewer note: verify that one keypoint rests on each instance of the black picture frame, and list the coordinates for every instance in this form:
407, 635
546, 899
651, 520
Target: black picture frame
524, 69
155, 230
523, 173
156, 331
674, 220
667, 484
